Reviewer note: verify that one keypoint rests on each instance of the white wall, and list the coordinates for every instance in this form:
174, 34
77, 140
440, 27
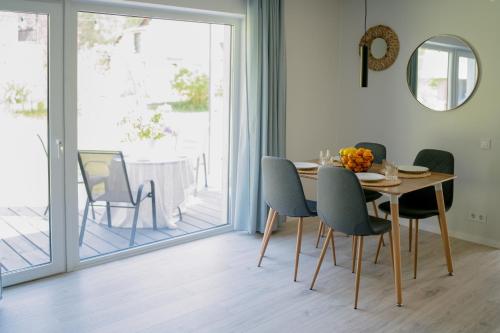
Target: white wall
386, 111
229, 6
311, 29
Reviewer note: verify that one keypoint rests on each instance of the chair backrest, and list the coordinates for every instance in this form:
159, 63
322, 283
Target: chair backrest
437, 161
378, 150
282, 188
341, 202
105, 176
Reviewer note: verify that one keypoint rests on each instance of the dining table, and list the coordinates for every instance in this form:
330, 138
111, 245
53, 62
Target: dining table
406, 185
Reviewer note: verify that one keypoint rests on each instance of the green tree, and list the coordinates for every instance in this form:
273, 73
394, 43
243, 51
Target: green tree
193, 88
100, 29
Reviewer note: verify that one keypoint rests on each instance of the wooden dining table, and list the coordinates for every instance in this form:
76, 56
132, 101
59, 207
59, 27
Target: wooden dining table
408, 185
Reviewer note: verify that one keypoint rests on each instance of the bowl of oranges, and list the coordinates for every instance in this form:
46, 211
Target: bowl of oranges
356, 159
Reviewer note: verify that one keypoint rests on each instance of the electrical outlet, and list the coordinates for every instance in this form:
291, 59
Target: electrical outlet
472, 216
482, 218
477, 217
485, 144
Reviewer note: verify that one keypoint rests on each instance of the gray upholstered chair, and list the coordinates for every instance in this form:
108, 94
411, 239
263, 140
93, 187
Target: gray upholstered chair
106, 180
283, 193
379, 154
422, 204
342, 207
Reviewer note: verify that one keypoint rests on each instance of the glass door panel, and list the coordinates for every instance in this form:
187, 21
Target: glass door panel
158, 91
27, 215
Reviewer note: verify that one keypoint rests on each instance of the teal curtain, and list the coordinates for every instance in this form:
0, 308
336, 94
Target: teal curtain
262, 120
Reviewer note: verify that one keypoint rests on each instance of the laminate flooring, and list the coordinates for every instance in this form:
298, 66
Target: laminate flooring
213, 285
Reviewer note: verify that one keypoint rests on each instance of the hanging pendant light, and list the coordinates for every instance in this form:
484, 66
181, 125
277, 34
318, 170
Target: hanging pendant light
363, 51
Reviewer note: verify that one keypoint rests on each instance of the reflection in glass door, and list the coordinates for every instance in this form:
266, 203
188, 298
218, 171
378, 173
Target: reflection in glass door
27, 227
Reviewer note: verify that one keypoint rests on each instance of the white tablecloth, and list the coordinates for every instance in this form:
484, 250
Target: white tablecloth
174, 182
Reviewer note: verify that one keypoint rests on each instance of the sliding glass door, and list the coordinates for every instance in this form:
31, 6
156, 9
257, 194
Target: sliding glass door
153, 103
32, 238
139, 157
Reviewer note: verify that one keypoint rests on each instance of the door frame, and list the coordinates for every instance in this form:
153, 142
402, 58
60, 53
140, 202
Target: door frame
55, 140
131, 8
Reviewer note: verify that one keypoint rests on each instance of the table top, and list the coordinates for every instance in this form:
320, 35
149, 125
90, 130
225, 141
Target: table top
407, 185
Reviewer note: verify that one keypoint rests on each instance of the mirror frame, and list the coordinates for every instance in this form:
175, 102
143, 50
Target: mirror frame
478, 66
392, 41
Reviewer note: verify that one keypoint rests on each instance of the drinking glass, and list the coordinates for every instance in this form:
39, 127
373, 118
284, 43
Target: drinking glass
391, 171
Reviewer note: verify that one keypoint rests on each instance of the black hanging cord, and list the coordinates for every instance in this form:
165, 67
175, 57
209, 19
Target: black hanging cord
364, 56
366, 13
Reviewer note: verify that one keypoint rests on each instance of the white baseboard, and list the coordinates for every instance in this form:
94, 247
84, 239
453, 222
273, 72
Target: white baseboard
432, 226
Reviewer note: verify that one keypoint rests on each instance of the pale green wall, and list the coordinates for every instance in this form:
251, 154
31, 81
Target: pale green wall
312, 34
387, 112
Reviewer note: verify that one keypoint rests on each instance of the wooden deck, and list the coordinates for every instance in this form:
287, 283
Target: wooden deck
24, 231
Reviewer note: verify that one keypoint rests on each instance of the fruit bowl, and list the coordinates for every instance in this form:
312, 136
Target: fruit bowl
356, 159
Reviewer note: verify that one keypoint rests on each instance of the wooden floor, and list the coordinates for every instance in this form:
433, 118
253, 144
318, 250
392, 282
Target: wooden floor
213, 285
24, 231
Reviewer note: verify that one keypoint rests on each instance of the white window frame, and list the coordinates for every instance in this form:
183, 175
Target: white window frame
55, 135
454, 53
70, 68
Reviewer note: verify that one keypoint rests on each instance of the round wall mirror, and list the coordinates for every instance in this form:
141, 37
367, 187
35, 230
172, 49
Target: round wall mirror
443, 72
378, 48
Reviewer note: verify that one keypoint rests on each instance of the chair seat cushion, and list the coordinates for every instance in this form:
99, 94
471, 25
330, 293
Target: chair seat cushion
379, 225
410, 212
371, 195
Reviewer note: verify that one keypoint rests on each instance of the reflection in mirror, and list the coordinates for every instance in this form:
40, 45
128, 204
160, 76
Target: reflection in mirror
442, 73
378, 48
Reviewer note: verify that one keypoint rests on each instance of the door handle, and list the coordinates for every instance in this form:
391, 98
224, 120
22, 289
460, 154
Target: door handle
60, 148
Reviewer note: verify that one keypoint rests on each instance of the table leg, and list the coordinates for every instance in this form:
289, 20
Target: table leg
396, 246
444, 227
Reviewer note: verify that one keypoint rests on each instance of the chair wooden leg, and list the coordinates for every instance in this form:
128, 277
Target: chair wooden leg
383, 240
320, 231
354, 250
333, 247
321, 257
415, 252
375, 210
298, 247
380, 240
271, 218
358, 269
410, 233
